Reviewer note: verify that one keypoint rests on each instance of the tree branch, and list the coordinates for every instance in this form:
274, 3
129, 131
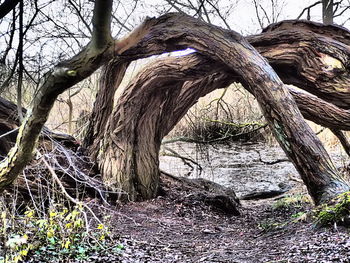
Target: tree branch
7, 6
101, 20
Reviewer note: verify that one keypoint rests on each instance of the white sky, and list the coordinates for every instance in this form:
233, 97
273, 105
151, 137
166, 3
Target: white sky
241, 18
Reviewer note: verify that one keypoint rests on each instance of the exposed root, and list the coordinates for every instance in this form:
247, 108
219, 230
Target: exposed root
200, 190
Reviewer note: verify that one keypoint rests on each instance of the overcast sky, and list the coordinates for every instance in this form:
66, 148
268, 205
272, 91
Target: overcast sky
241, 17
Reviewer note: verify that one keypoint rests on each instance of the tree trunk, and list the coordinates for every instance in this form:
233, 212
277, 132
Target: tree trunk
327, 12
110, 79
125, 160
128, 157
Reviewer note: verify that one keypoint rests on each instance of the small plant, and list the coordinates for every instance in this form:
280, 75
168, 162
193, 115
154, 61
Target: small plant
268, 225
291, 201
335, 212
298, 215
62, 234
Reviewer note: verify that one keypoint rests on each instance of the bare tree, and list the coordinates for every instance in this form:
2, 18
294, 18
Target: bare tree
127, 148
269, 13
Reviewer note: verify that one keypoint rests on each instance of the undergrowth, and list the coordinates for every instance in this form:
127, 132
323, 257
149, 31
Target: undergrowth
41, 221
335, 212
59, 235
291, 202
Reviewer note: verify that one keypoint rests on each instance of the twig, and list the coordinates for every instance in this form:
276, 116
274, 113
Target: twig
272, 162
308, 10
9, 132
184, 159
58, 181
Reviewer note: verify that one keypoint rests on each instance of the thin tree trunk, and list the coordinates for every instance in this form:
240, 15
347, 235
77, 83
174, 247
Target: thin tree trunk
327, 12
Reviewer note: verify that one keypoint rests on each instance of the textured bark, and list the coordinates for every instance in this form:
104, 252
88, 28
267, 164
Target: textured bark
228, 47
311, 56
110, 79
128, 155
321, 112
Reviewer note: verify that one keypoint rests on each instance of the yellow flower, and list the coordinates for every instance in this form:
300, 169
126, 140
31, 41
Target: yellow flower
66, 244
29, 213
78, 222
50, 233
52, 214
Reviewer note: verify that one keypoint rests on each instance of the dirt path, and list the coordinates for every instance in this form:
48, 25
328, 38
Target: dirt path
172, 228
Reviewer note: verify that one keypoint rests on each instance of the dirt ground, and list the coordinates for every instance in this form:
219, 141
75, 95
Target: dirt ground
174, 228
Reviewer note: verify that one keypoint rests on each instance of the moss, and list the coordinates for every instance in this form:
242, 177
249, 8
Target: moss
335, 212
281, 135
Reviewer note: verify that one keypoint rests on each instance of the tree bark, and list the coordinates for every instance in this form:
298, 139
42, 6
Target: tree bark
228, 47
128, 153
309, 55
327, 12
110, 79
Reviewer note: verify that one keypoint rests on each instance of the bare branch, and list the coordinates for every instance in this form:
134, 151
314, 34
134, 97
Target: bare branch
308, 10
7, 6
80, 16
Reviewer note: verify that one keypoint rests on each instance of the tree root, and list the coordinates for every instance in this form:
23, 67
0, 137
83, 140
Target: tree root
201, 190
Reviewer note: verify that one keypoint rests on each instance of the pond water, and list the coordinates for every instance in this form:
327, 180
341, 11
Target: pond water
244, 167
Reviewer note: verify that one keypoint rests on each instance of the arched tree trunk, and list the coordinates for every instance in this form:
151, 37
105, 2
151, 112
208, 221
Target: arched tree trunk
128, 154
124, 160
311, 56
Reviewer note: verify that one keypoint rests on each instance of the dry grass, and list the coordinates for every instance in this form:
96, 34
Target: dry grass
220, 113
